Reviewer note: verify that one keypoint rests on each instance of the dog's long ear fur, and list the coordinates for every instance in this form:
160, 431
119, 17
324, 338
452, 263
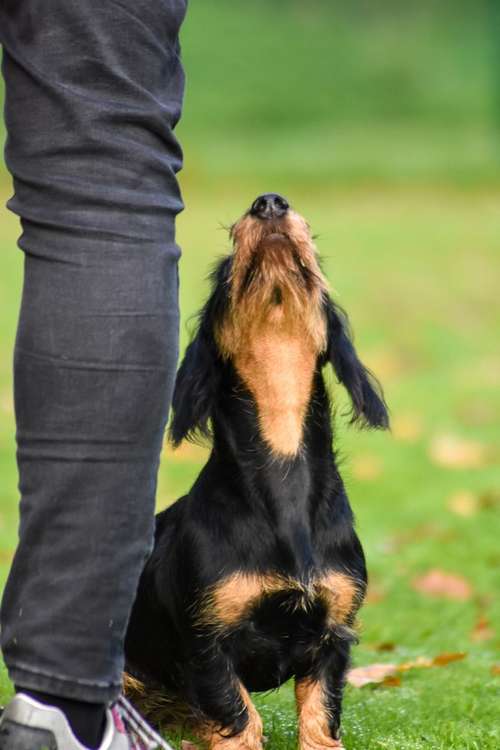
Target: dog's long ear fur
368, 405
198, 376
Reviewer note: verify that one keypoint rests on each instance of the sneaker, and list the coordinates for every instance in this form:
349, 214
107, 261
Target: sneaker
27, 724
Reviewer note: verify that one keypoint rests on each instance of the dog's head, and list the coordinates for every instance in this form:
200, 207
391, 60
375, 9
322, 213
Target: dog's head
275, 278
270, 315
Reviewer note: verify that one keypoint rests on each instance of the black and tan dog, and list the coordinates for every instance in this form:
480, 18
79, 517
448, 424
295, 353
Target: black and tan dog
257, 573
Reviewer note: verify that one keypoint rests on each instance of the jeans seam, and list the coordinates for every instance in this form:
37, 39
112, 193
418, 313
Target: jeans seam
54, 676
72, 364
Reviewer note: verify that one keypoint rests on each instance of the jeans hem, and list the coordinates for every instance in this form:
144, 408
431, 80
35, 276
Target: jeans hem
64, 687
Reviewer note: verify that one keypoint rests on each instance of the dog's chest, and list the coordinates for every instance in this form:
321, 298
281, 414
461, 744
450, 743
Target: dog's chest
277, 366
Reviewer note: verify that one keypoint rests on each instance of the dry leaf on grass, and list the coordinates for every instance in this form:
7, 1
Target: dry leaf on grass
385, 646
453, 452
489, 499
441, 660
464, 503
366, 467
482, 630
388, 674
406, 427
495, 670
372, 673
425, 662
467, 504
447, 585
391, 680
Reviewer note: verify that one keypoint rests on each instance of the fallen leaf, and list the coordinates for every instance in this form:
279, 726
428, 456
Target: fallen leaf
391, 681
360, 676
387, 674
453, 452
447, 658
406, 427
366, 467
489, 499
421, 662
495, 670
464, 503
448, 585
482, 630
385, 646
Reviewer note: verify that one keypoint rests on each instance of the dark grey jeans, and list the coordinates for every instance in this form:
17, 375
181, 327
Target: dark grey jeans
93, 92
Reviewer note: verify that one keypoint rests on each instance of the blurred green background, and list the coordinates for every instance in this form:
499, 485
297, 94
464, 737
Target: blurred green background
381, 123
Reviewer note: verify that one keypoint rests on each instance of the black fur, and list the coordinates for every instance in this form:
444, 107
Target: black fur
368, 405
250, 512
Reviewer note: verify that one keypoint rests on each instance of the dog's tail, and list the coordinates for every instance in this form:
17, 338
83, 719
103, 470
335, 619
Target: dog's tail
160, 708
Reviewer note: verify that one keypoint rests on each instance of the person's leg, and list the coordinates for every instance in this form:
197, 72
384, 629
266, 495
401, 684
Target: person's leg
93, 92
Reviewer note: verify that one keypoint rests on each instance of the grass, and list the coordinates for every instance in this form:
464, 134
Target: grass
381, 127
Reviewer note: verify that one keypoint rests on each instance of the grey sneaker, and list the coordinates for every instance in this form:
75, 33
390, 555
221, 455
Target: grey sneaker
27, 724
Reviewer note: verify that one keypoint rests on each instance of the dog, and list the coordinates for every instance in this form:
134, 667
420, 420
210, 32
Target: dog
257, 573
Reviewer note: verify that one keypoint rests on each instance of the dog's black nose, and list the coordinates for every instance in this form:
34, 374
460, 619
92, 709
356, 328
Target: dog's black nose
269, 206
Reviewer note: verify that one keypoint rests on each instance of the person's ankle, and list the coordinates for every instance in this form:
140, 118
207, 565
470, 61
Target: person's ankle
87, 720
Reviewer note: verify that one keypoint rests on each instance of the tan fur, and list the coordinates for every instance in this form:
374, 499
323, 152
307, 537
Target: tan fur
277, 366
275, 328
159, 707
340, 594
249, 739
314, 732
231, 600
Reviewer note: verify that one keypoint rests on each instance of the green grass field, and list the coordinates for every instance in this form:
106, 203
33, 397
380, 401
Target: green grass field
385, 138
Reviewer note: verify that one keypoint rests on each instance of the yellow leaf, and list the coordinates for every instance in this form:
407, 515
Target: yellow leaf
454, 452
482, 630
406, 427
366, 467
464, 503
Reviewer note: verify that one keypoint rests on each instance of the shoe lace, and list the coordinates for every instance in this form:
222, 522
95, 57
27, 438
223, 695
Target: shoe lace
129, 721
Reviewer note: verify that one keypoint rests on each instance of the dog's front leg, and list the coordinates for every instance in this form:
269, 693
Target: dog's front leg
318, 728
231, 720
319, 700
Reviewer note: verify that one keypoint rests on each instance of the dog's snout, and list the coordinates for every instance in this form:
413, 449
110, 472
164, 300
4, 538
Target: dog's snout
269, 206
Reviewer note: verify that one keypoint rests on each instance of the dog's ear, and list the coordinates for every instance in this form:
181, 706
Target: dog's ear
199, 374
368, 405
